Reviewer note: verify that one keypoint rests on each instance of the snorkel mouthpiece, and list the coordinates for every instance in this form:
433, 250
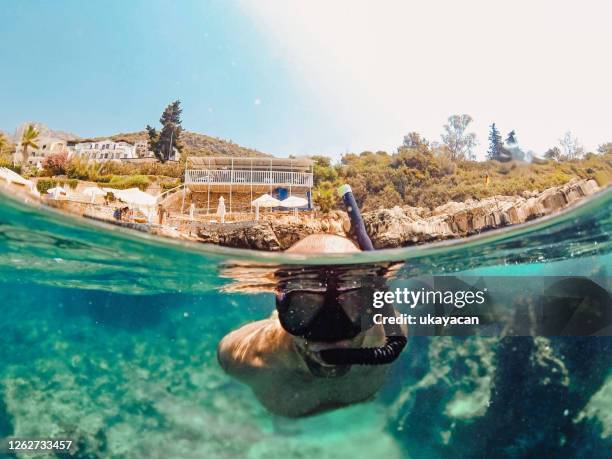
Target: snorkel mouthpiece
357, 224
366, 356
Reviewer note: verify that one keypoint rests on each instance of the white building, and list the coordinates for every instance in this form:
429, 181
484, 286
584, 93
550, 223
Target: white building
97, 151
47, 146
120, 150
105, 150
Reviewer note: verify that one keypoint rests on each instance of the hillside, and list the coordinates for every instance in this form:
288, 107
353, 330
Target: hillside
420, 178
195, 144
43, 131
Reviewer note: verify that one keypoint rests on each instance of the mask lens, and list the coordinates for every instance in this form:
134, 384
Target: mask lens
298, 309
356, 303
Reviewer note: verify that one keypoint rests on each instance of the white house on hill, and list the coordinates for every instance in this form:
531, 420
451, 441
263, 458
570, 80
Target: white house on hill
89, 150
47, 146
120, 150
105, 150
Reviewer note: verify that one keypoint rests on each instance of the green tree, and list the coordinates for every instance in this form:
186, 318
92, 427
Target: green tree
495, 144
553, 153
414, 140
459, 142
511, 139
325, 196
605, 148
512, 147
29, 138
323, 171
163, 143
571, 146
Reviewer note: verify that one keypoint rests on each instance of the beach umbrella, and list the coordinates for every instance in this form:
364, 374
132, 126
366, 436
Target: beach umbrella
264, 200
94, 191
221, 209
294, 202
56, 192
133, 196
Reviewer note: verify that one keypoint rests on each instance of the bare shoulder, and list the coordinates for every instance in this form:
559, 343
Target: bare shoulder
250, 348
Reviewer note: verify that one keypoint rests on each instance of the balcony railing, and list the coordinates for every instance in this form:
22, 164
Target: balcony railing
248, 177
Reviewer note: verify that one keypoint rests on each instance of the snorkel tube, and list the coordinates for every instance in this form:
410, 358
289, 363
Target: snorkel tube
396, 341
357, 224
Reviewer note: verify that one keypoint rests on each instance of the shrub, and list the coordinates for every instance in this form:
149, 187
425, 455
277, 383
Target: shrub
131, 181
104, 178
447, 165
78, 168
424, 180
81, 169
169, 185
43, 185
323, 170
602, 178
11, 166
153, 168
325, 197
56, 164
72, 183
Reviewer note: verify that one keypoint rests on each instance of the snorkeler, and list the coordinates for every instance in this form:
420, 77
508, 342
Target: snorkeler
320, 349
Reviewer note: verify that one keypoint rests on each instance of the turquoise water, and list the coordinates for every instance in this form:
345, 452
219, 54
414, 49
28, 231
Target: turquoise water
109, 337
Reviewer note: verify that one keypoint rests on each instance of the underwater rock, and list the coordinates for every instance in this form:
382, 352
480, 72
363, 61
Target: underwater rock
598, 409
455, 389
402, 226
507, 397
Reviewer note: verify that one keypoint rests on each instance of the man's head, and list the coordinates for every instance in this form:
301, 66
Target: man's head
329, 309
315, 314
323, 243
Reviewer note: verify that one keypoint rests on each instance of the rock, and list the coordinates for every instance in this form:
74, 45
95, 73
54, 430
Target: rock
271, 235
402, 226
504, 397
242, 235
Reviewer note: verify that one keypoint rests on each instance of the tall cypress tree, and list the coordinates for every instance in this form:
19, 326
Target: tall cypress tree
163, 143
495, 143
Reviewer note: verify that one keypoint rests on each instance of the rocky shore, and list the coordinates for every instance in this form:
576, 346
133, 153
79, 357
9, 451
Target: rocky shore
403, 226
271, 235
388, 228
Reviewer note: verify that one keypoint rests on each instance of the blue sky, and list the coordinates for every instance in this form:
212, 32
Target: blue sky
96, 68
291, 77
